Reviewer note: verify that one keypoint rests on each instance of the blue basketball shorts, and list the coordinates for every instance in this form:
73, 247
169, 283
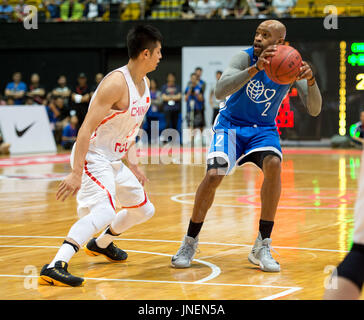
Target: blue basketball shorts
234, 143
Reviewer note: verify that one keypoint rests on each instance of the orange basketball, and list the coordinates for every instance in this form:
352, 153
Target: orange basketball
284, 66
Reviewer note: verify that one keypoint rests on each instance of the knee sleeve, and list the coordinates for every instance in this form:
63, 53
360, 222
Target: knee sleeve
352, 266
101, 215
127, 218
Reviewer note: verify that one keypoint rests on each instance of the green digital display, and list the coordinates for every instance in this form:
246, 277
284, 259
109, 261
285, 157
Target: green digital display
357, 47
356, 59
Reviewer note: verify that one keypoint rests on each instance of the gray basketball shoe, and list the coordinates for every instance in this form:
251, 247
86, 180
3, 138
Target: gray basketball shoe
186, 252
261, 256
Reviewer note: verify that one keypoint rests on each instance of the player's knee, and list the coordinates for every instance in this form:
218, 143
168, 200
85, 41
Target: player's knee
272, 165
102, 214
144, 212
217, 168
214, 178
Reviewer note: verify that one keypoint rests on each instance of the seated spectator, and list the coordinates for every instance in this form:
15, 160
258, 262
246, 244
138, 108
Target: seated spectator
227, 9
10, 101
93, 11
53, 9
80, 98
205, 9
98, 77
6, 11
62, 90
58, 115
16, 89
71, 10
241, 9
260, 8
282, 8
36, 91
2, 100
187, 11
20, 11
69, 133
29, 101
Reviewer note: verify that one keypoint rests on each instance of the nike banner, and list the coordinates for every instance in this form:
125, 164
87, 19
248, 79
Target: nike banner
27, 129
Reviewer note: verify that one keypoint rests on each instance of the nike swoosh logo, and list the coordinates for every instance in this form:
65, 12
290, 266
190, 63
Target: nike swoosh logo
20, 133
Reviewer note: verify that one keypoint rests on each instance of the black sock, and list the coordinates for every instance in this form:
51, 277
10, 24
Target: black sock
265, 228
194, 229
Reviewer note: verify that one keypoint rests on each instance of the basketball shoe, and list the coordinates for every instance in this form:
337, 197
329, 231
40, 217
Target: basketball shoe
185, 254
111, 252
261, 256
59, 276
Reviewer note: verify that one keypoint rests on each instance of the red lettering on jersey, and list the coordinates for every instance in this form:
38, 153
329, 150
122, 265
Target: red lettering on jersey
148, 99
138, 111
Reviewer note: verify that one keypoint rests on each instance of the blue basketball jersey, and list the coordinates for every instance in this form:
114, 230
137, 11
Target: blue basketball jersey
257, 102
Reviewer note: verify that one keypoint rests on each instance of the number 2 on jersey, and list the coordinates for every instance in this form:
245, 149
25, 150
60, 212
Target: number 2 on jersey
267, 105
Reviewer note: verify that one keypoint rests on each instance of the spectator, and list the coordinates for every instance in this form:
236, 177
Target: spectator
62, 89
171, 97
29, 101
194, 100
282, 8
2, 101
242, 9
80, 98
10, 101
20, 13
6, 11
69, 133
214, 103
227, 8
53, 9
16, 89
153, 111
260, 8
58, 115
205, 9
93, 11
71, 10
98, 77
202, 83
36, 91
187, 11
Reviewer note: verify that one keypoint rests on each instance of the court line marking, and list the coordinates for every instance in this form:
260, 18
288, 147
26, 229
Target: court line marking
215, 272
176, 197
175, 241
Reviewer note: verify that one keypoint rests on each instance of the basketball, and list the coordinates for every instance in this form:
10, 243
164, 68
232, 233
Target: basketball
285, 65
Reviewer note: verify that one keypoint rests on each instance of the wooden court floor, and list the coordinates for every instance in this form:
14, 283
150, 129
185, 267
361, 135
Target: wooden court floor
313, 232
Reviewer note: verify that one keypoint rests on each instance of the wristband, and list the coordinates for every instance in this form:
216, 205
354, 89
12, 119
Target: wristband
256, 67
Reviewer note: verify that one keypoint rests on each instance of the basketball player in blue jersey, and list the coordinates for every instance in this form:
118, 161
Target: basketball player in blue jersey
245, 131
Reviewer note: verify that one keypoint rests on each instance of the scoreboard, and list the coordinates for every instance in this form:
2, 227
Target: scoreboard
351, 88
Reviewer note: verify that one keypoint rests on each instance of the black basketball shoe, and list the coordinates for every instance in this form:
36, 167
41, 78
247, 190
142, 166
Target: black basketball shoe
59, 276
111, 252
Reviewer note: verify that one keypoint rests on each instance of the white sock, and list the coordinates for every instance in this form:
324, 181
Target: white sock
65, 253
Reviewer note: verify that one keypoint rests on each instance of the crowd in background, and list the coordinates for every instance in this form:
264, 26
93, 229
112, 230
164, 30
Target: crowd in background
99, 10
67, 105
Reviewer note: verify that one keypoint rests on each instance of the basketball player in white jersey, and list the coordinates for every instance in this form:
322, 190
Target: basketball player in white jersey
99, 178
348, 278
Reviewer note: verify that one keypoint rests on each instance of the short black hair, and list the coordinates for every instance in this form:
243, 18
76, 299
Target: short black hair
142, 37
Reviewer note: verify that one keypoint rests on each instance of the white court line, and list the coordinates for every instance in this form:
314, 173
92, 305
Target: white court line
215, 272
175, 241
287, 291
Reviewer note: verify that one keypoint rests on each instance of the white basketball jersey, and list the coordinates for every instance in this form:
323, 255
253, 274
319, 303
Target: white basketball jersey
117, 131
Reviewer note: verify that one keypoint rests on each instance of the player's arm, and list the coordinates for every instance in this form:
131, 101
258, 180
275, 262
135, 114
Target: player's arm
239, 72
308, 90
110, 92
